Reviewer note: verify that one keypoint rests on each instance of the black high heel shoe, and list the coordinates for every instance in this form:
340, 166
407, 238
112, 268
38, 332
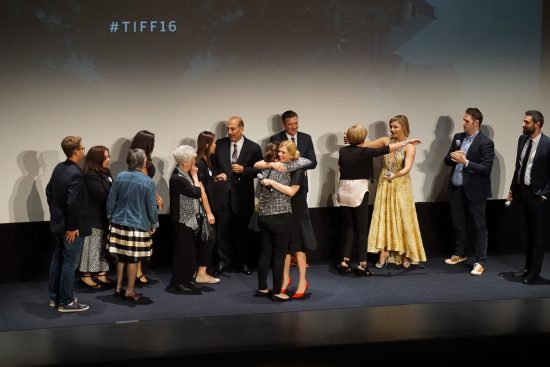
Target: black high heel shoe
344, 267
95, 286
363, 270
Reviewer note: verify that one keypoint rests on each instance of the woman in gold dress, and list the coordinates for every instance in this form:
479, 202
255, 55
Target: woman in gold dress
394, 232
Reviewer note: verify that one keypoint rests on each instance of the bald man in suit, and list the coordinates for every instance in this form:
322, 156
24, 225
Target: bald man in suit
234, 194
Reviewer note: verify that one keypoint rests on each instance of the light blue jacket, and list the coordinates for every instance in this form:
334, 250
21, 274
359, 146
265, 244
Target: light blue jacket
132, 201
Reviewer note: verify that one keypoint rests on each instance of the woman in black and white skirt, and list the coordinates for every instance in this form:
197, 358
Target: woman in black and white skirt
132, 210
94, 264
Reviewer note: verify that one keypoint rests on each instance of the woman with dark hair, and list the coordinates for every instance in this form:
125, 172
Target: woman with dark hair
98, 180
206, 146
132, 210
145, 140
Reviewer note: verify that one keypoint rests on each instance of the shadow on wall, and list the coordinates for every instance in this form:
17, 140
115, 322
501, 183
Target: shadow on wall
119, 153
328, 167
498, 173
436, 174
376, 130
25, 201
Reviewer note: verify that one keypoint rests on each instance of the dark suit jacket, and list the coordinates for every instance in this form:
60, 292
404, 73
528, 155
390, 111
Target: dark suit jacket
237, 193
98, 187
68, 200
304, 145
306, 149
540, 171
476, 177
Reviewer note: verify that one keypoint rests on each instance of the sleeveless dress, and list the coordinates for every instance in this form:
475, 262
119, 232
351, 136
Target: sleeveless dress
394, 224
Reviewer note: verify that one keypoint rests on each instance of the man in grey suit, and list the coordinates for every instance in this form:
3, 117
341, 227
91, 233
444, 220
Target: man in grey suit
528, 192
471, 157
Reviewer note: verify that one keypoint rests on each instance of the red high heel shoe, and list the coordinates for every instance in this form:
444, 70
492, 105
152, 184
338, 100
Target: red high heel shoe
301, 295
283, 289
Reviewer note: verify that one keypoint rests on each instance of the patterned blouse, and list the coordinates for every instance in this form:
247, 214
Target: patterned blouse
273, 201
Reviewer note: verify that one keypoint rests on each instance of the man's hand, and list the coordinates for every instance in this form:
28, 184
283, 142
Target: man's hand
237, 168
70, 236
458, 156
220, 178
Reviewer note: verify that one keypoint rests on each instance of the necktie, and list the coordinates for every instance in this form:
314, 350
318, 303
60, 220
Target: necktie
293, 140
524, 163
235, 154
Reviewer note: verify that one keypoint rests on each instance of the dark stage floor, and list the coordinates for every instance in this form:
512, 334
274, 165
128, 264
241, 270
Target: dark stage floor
423, 314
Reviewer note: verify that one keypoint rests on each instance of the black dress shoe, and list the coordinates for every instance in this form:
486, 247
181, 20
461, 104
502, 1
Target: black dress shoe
522, 273
531, 278
247, 270
181, 289
220, 268
193, 285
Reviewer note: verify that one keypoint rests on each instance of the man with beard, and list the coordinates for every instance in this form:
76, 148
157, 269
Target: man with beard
528, 192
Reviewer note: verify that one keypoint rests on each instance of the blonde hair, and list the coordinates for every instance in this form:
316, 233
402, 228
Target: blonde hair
356, 134
293, 152
403, 121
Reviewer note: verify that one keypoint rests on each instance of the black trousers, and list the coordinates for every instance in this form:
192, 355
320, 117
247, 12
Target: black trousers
461, 207
275, 231
233, 238
184, 264
530, 213
356, 228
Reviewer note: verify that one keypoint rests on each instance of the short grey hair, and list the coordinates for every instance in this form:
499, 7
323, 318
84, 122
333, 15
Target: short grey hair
136, 159
184, 153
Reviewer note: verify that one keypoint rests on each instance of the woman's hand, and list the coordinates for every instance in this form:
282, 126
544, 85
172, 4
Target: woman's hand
211, 218
266, 182
158, 199
278, 166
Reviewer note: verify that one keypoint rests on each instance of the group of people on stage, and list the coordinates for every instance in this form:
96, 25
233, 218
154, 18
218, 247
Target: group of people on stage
94, 217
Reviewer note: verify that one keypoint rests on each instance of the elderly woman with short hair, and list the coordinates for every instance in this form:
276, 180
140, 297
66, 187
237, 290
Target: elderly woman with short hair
132, 211
185, 193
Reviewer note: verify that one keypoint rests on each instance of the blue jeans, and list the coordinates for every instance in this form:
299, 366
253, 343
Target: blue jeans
65, 260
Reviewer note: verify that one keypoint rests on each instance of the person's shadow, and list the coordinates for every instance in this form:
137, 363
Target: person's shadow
328, 168
376, 130
498, 173
119, 154
26, 202
436, 174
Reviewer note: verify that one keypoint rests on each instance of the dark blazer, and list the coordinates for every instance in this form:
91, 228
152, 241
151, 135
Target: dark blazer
304, 145
306, 149
98, 187
68, 200
237, 192
540, 171
476, 177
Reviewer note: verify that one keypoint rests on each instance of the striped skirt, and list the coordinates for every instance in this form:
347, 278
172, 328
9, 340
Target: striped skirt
128, 244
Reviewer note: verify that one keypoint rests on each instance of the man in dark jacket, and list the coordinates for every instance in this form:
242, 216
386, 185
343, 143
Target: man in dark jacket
529, 191
471, 157
67, 199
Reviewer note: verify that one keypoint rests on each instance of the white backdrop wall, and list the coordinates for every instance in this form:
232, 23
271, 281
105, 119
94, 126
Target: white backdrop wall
336, 63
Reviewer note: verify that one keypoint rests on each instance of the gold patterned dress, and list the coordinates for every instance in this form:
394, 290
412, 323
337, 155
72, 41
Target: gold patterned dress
394, 224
